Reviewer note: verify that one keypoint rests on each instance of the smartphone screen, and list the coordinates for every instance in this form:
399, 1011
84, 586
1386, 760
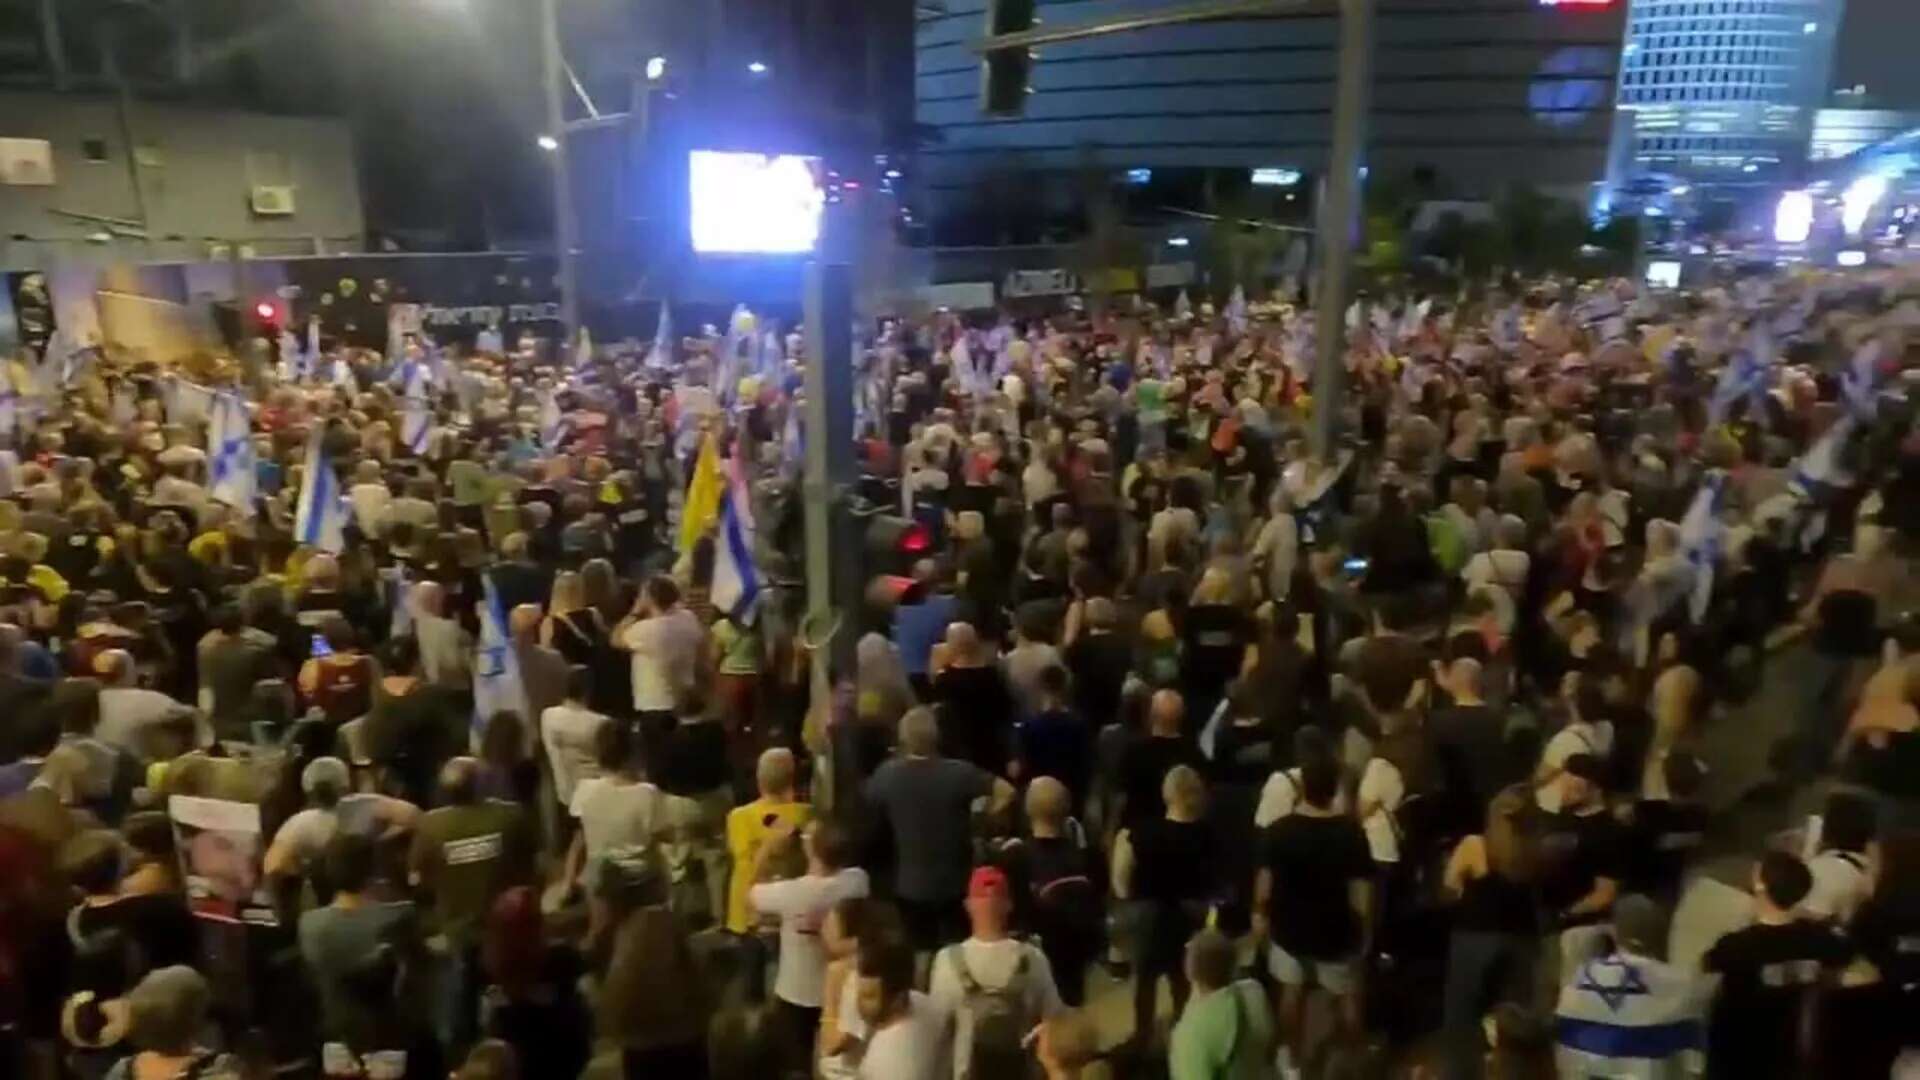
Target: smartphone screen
320, 646
1355, 567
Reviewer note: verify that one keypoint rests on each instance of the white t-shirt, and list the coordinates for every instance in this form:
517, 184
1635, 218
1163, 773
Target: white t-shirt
1840, 886
1579, 737
307, 832
614, 814
911, 1048
992, 964
568, 733
1382, 785
128, 712
1281, 796
802, 904
1504, 567
666, 652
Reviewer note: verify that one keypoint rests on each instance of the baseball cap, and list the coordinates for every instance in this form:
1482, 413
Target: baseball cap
987, 882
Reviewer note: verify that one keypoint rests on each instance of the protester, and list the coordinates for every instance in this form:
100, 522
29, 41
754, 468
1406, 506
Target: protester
997, 987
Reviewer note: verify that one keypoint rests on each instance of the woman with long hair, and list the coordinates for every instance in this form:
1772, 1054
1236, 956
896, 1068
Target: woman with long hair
577, 627
1496, 925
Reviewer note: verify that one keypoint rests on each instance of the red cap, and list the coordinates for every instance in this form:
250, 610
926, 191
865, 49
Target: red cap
987, 882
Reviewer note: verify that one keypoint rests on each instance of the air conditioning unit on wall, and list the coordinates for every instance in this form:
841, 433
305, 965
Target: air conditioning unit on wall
272, 200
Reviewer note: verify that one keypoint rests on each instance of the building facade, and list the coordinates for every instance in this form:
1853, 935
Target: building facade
1725, 92
1478, 93
87, 179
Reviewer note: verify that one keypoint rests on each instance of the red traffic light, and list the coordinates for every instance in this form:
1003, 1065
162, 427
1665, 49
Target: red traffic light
266, 311
916, 539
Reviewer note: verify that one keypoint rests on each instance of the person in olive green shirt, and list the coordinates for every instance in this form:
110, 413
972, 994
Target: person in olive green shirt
1226, 1032
467, 852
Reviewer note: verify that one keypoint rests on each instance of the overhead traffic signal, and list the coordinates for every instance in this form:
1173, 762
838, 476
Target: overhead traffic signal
1004, 72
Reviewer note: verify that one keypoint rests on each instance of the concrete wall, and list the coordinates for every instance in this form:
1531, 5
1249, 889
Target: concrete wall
196, 189
1483, 91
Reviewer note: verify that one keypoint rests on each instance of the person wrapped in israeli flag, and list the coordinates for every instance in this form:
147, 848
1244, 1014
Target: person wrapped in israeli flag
661, 354
554, 425
321, 518
1744, 376
1702, 534
736, 578
497, 686
416, 411
231, 473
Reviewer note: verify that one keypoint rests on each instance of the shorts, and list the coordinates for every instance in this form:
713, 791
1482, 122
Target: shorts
1334, 976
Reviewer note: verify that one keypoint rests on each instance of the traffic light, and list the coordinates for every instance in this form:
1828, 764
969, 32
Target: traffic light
267, 318
1004, 72
895, 543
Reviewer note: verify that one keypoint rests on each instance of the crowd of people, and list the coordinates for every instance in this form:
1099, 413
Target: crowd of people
428, 712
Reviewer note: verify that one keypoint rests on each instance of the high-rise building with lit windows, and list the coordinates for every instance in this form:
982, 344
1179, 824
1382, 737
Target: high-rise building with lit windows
1725, 92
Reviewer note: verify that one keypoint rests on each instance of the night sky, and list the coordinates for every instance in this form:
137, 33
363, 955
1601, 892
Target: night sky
1877, 48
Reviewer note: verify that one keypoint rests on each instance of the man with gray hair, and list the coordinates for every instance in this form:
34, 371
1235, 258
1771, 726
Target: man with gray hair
132, 716
928, 802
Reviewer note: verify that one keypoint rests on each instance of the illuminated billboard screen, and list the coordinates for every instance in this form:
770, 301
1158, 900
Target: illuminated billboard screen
761, 204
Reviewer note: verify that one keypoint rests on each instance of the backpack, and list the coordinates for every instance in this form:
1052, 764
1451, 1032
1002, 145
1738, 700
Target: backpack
999, 1018
1067, 908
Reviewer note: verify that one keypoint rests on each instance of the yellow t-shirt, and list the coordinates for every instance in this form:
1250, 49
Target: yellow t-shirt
746, 831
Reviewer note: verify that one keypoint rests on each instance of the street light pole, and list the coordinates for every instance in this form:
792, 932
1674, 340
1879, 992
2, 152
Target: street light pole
1339, 206
565, 228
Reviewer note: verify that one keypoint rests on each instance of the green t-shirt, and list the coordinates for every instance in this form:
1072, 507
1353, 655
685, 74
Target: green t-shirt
1224, 1035
739, 649
466, 857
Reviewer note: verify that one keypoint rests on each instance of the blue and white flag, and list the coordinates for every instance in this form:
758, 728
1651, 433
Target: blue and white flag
661, 355
416, 411
231, 473
186, 402
291, 361
583, 349
554, 426
736, 580
497, 686
1744, 376
1702, 534
1860, 383
321, 519
1820, 466
399, 600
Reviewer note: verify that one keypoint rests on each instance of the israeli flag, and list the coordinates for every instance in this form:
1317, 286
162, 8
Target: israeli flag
290, 359
231, 474
186, 402
1820, 467
661, 354
736, 581
1859, 384
416, 411
321, 520
1744, 376
1701, 536
497, 686
399, 590
793, 444
554, 426
583, 349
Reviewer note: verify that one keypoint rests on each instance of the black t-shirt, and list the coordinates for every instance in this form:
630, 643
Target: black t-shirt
1216, 639
1313, 860
1098, 663
1889, 935
1766, 972
1057, 743
976, 715
1665, 837
117, 944
1575, 851
1471, 744
1143, 768
1173, 860
696, 759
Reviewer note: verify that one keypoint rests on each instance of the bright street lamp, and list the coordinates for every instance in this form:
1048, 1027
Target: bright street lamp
547, 143
656, 68
757, 68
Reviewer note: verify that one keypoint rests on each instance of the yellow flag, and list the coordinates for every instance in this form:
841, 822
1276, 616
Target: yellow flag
702, 507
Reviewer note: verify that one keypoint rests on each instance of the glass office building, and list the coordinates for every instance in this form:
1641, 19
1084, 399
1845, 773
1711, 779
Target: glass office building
1725, 92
